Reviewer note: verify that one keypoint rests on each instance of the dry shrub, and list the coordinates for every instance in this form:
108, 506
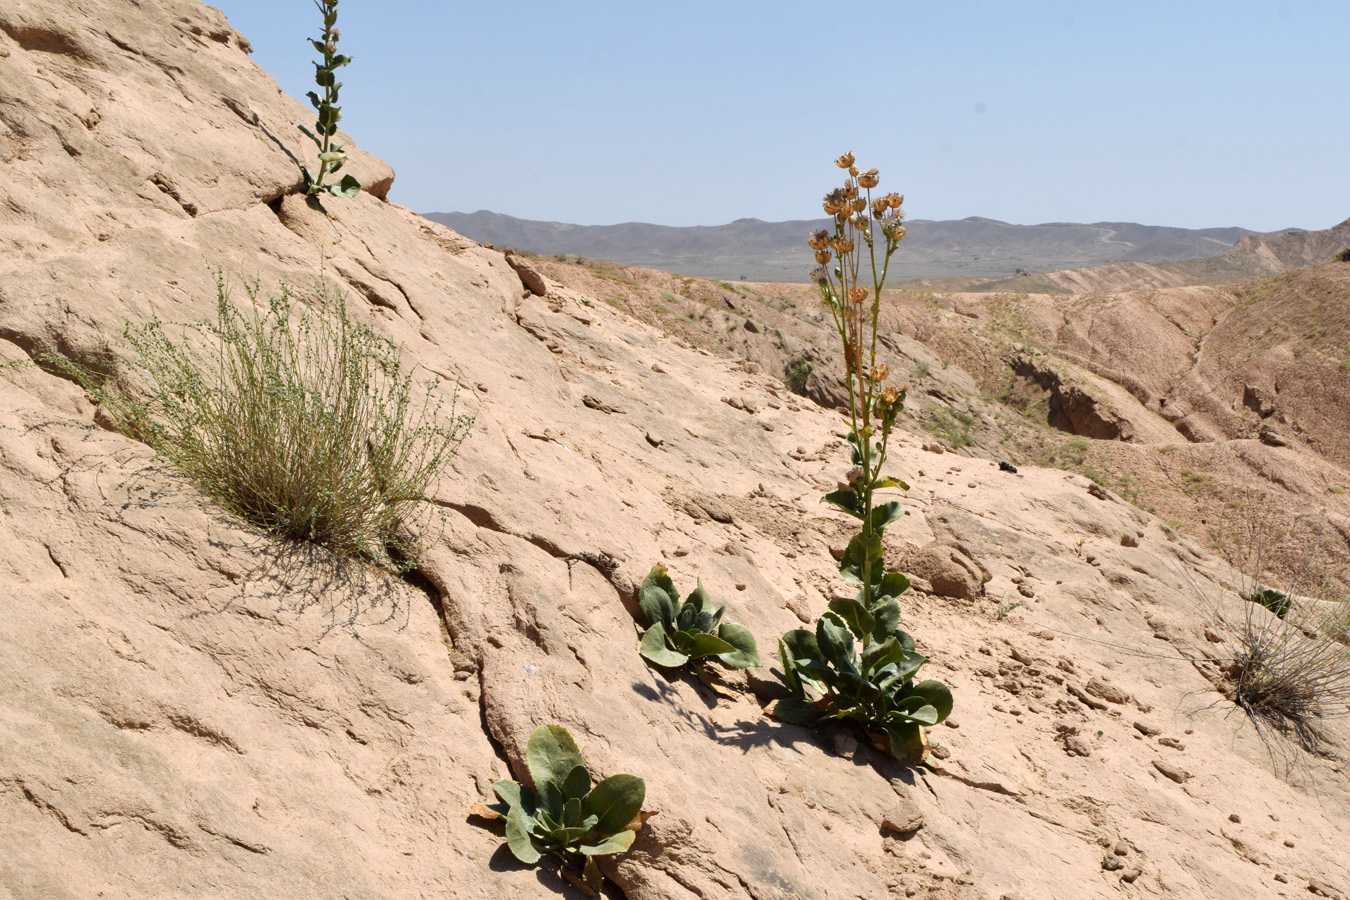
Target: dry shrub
301, 421
1289, 667
1289, 674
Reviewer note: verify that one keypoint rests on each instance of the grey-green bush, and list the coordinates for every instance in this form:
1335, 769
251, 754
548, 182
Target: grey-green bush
302, 422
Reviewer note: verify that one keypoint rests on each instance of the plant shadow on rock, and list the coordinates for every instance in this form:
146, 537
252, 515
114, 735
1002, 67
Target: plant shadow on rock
745, 735
295, 576
502, 861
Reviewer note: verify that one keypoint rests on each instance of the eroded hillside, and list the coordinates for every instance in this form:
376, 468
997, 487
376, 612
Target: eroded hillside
1220, 408
189, 708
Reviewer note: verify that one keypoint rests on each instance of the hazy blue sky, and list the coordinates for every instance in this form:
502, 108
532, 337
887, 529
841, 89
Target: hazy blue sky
1175, 112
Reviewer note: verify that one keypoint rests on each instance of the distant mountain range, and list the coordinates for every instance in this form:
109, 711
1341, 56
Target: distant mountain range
777, 251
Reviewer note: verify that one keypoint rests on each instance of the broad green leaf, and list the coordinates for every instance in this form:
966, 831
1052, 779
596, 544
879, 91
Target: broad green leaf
861, 546
657, 597
347, 187
572, 811
851, 571
885, 514
906, 640
549, 799
615, 843
907, 742
616, 800
518, 837
836, 642
817, 671
801, 644
892, 584
881, 654
913, 709
685, 619
888, 482
715, 620
911, 664
855, 686
567, 836
854, 615
848, 501
796, 711
551, 755
701, 645
654, 649
577, 783
514, 795
938, 695
699, 598
851, 566
746, 653
790, 678
887, 616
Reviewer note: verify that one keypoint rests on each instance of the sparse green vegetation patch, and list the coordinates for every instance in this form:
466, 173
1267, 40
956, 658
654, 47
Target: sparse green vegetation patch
566, 816
952, 425
301, 422
795, 374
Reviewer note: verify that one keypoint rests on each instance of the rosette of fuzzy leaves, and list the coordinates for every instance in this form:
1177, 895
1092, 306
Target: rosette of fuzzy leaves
830, 680
566, 814
678, 633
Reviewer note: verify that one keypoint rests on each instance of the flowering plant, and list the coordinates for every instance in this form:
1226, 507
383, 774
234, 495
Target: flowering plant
828, 679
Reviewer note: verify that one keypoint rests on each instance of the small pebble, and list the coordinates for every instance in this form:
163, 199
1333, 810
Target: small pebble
1235, 819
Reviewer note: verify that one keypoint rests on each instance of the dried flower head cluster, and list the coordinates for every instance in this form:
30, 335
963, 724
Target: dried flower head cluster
851, 277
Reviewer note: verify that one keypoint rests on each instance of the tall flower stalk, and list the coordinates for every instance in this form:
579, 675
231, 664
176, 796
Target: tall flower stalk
829, 677
331, 154
851, 279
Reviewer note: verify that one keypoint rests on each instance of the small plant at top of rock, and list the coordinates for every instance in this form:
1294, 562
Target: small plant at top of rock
678, 633
566, 815
1344, 255
858, 665
331, 154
